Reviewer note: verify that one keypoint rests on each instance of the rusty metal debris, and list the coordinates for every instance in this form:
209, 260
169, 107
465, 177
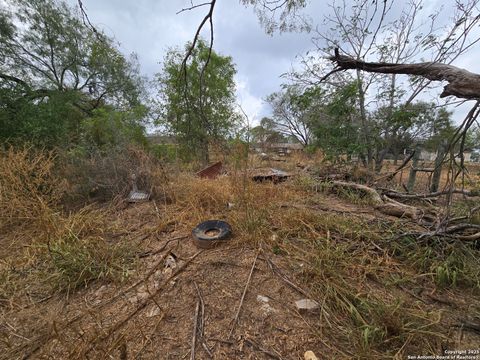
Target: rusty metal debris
212, 171
270, 174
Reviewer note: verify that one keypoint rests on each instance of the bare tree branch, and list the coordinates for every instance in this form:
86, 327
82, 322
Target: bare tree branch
461, 83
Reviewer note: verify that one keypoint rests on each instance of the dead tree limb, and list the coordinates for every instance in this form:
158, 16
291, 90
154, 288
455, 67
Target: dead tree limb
461, 83
385, 205
372, 194
398, 195
398, 169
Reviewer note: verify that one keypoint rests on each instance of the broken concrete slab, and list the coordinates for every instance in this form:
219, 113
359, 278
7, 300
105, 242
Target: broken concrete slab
307, 305
310, 355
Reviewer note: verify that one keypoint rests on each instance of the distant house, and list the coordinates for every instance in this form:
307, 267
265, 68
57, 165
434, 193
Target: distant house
428, 155
431, 156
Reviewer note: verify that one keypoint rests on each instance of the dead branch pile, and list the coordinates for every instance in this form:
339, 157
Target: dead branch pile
433, 219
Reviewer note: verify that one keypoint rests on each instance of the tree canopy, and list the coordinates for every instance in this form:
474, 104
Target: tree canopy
197, 102
54, 71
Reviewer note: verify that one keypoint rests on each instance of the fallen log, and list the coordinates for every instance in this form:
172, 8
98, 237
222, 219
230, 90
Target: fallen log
388, 206
398, 195
369, 192
385, 205
397, 209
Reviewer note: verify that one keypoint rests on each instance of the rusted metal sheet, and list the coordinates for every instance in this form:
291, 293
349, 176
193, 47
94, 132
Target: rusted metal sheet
212, 171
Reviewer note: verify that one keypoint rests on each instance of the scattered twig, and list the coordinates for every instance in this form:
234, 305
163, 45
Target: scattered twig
261, 349
277, 272
42, 339
207, 349
466, 325
201, 321
151, 253
195, 331
397, 170
228, 342
243, 296
396, 194
143, 304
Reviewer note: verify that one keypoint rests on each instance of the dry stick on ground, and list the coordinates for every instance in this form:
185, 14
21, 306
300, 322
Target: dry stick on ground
395, 194
42, 339
243, 296
262, 350
198, 325
195, 331
150, 253
277, 272
450, 231
144, 303
149, 340
202, 321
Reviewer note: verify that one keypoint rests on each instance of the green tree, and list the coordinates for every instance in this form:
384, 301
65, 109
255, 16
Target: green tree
337, 126
54, 71
197, 102
266, 133
294, 109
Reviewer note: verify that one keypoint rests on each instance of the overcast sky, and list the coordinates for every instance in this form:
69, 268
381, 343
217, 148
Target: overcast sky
150, 27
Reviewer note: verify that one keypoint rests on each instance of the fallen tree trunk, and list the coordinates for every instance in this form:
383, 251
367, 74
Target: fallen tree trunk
461, 83
370, 193
387, 206
397, 209
398, 195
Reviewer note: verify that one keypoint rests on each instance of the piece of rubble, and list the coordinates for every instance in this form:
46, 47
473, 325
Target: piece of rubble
137, 195
265, 307
263, 299
170, 264
309, 355
306, 305
154, 311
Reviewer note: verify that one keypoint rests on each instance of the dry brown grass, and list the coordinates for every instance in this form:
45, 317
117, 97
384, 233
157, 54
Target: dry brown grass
375, 289
103, 176
30, 191
44, 247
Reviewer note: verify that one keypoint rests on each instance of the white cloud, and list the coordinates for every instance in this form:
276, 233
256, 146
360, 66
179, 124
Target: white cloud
250, 104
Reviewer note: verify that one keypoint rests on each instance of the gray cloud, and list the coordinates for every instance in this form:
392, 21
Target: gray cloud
150, 27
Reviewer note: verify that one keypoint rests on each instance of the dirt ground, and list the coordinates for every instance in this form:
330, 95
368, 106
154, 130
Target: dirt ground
154, 314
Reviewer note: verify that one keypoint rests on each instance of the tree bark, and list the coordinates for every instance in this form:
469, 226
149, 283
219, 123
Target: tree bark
461, 83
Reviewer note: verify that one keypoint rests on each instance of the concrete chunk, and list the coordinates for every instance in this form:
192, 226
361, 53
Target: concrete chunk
306, 305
